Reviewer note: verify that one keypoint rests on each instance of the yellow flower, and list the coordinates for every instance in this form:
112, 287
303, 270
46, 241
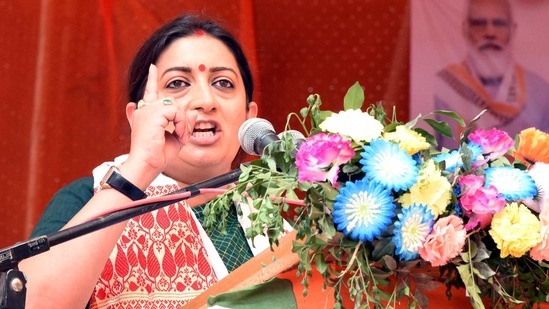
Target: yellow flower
515, 230
354, 124
407, 139
431, 189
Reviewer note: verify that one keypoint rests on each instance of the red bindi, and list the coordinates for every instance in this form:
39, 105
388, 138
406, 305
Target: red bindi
199, 32
201, 68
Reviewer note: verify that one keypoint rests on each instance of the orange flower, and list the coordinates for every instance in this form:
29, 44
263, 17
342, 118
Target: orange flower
532, 146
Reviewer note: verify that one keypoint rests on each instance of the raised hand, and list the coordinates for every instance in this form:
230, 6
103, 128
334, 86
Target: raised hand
160, 125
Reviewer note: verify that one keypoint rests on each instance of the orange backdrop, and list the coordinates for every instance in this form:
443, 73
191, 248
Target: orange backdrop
63, 66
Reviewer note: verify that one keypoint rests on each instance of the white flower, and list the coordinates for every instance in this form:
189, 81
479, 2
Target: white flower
540, 173
353, 123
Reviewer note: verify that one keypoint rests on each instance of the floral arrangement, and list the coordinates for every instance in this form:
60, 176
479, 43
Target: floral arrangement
387, 215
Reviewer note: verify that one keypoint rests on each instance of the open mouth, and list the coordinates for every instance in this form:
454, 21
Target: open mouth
204, 129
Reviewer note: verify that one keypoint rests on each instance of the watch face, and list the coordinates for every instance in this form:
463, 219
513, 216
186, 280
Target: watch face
114, 180
104, 184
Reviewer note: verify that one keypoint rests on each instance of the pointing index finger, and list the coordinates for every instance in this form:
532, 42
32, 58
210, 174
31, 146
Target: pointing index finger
151, 88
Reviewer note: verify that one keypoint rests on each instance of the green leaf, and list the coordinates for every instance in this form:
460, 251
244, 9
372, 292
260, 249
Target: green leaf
390, 262
412, 123
483, 271
482, 254
322, 115
380, 273
428, 136
470, 127
385, 246
327, 227
354, 98
452, 115
271, 162
304, 111
477, 117
439, 126
329, 191
470, 286
320, 263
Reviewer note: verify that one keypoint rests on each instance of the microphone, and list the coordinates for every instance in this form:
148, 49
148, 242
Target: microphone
257, 133
296, 137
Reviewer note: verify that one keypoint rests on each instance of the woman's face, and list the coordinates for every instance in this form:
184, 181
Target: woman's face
200, 71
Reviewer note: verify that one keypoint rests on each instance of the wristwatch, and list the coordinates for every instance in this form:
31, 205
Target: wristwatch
114, 180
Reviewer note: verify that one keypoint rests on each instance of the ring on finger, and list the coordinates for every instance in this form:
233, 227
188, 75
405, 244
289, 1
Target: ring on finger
167, 102
141, 104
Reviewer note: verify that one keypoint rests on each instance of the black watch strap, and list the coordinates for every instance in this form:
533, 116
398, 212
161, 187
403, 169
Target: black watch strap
114, 180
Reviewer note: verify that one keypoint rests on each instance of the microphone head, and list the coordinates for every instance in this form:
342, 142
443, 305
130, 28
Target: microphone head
252, 130
296, 136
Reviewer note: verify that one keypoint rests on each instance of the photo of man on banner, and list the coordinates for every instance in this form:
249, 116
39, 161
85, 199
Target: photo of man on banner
490, 76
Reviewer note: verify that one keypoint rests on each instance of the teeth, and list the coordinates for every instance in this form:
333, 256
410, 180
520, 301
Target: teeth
203, 134
204, 129
204, 126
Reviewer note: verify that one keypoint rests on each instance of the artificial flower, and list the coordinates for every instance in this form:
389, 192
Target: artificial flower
532, 146
455, 159
541, 251
386, 163
398, 203
452, 160
471, 182
494, 143
515, 230
411, 230
513, 184
364, 127
407, 139
363, 210
319, 157
540, 174
474, 152
431, 189
444, 242
479, 202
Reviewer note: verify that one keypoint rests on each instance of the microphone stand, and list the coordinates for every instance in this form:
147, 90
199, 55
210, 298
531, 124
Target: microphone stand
13, 289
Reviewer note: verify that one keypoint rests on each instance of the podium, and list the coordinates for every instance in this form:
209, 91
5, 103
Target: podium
280, 264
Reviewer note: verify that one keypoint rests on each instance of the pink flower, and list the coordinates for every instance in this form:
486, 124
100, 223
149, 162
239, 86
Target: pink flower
494, 143
470, 183
479, 202
541, 251
320, 156
444, 242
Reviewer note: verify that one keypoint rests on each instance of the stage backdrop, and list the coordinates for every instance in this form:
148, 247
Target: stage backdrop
437, 40
63, 67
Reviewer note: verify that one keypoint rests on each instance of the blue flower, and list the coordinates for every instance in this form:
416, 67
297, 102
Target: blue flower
363, 210
457, 192
417, 157
412, 228
452, 160
513, 184
476, 151
384, 162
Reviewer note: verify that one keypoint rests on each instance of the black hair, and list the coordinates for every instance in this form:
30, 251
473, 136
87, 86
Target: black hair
180, 27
